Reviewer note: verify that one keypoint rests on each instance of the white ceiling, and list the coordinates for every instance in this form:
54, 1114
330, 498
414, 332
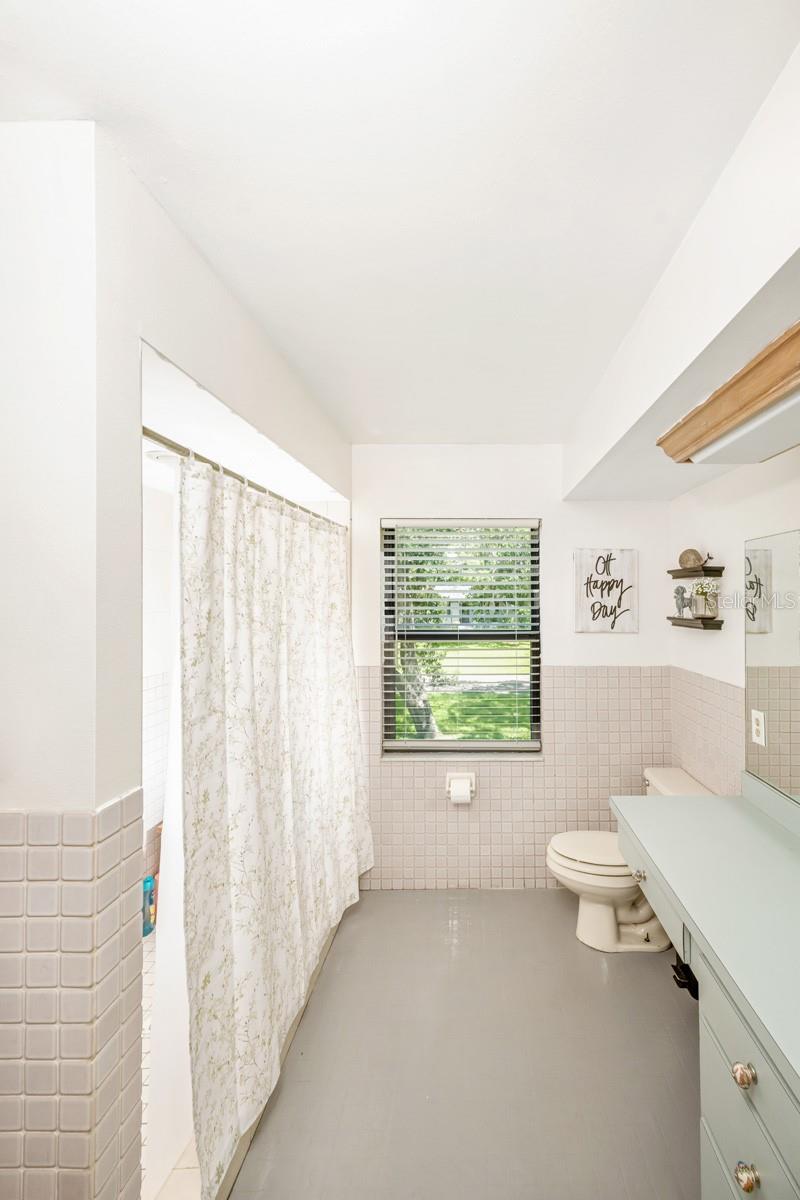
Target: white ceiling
179, 409
446, 214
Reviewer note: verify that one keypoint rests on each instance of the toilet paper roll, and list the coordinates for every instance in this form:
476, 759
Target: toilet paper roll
460, 791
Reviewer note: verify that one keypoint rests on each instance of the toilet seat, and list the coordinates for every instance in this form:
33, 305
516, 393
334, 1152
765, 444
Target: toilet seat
568, 872
589, 852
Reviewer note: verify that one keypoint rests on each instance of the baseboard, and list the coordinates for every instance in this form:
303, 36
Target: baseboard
226, 1187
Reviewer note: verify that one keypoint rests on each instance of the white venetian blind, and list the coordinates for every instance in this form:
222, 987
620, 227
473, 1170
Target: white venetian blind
461, 643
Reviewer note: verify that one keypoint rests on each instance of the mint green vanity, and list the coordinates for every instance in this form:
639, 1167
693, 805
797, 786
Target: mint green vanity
723, 876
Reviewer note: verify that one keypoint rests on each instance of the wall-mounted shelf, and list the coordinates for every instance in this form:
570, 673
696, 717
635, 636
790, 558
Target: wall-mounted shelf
704, 571
696, 572
697, 622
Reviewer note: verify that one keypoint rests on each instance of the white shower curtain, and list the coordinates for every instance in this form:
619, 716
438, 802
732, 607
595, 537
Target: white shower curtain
275, 811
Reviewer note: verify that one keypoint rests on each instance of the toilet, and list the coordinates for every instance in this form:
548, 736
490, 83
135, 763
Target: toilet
613, 912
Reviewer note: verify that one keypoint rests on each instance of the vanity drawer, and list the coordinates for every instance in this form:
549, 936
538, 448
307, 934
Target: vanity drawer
768, 1096
734, 1127
653, 889
716, 1183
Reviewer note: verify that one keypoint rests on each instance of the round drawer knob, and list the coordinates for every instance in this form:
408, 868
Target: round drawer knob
640, 875
744, 1074
746, 1176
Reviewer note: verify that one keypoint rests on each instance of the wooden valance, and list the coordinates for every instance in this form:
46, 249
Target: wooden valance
765, 379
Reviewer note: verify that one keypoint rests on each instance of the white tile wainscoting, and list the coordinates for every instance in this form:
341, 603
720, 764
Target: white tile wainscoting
70, 1003
601, 727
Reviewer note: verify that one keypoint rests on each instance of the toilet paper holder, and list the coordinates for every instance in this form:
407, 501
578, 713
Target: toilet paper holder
460, 787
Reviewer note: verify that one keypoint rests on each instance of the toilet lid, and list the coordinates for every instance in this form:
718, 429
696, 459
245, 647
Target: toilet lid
591, 846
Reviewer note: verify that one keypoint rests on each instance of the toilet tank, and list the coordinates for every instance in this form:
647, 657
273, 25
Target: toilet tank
672, 781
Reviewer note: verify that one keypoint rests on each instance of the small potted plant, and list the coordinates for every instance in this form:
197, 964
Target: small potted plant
705, 598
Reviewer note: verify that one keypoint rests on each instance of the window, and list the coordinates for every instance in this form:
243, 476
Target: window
461, 646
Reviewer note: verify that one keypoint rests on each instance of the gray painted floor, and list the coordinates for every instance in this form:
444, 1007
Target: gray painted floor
464, 1044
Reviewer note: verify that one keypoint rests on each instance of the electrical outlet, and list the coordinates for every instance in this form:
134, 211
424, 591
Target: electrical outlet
758, 727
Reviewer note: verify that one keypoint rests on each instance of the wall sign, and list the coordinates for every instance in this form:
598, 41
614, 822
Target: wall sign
606, 591
758, 591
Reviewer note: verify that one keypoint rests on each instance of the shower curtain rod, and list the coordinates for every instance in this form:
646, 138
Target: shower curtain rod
150, 435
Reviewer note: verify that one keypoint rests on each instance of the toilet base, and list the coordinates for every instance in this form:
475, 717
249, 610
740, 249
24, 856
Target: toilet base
599, 928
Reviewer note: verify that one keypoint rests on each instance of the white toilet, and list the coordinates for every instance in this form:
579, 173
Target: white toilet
613, 912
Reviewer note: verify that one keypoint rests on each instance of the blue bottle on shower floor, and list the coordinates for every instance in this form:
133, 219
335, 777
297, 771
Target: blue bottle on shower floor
148, 905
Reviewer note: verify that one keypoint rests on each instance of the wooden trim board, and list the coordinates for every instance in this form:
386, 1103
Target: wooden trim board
765, 379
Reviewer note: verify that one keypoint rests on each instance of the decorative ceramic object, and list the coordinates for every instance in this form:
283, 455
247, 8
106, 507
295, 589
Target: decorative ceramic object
682, 601
690, 559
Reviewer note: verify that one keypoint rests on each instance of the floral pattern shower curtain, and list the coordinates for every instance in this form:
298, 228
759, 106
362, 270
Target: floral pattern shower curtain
275, 811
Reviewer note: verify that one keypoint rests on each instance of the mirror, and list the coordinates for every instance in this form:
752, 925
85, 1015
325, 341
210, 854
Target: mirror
772, 660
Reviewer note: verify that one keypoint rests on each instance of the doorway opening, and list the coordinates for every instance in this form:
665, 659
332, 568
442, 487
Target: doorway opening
179, 410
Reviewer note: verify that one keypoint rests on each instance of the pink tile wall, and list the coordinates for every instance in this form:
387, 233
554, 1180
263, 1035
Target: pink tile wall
601, 726
775, 691
708, 734
70, 1003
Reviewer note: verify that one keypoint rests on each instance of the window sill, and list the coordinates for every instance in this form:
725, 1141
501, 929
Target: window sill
487, 756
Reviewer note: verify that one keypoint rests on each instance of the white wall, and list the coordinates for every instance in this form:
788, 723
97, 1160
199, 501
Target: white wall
747, 229
509, 481
159, 648
47, 456
523, 481
153, 285
177, 407
157, 550
91, 265
718, 517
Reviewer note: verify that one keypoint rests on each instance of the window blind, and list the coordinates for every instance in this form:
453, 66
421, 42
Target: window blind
461, 635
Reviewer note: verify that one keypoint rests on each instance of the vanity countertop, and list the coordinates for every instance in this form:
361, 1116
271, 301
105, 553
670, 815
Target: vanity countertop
735, 875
